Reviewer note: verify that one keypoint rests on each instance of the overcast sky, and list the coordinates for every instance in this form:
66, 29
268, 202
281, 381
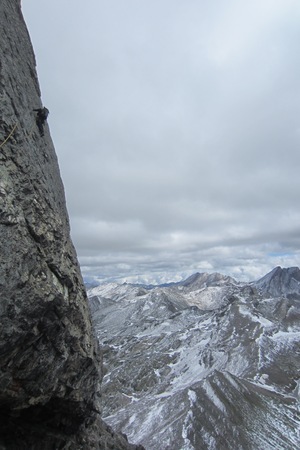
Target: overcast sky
177, 128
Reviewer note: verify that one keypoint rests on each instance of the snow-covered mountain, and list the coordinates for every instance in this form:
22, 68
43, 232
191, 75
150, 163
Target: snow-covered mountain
281, 282
208, 363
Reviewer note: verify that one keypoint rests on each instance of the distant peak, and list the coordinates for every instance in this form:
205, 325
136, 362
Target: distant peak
280, 281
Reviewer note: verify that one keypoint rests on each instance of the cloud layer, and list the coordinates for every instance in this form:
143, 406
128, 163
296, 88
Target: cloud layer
177, 130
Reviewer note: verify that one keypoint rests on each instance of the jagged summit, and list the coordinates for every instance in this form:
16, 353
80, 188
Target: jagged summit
206, 279
280, 281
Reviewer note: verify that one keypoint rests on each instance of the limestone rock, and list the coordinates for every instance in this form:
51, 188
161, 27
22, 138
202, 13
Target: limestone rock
50, 363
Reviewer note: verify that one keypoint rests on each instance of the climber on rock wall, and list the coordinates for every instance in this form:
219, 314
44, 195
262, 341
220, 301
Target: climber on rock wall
41, 117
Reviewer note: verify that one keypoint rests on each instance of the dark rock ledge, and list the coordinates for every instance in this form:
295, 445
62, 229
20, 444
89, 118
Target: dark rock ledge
50, 363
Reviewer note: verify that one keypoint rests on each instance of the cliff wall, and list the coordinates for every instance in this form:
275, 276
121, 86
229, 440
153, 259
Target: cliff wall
50, 364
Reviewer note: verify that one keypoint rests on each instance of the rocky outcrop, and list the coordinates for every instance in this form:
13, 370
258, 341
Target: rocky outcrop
281, 282
50, 364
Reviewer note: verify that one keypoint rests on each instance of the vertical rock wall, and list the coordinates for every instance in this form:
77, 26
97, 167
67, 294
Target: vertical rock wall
49, 359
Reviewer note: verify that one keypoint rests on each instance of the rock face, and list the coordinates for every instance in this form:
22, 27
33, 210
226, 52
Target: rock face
281, 282
208, 363
50, 364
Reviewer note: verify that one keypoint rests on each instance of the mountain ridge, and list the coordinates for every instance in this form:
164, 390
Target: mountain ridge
280, 281
191, 352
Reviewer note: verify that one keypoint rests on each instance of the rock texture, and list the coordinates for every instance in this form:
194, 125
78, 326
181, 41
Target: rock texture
50, 364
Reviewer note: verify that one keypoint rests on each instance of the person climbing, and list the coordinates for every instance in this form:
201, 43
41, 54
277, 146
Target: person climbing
41, 117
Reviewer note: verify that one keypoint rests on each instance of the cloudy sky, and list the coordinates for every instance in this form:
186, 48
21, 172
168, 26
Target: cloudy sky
177, 128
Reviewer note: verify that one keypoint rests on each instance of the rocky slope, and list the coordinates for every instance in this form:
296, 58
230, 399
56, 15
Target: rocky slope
208, 363
50, 364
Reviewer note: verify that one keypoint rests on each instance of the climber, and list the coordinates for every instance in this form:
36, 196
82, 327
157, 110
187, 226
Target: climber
41, 117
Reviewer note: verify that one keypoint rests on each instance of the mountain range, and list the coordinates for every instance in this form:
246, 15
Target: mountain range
206, 363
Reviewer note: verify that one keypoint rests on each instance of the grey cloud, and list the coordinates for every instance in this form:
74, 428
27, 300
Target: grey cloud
177, 131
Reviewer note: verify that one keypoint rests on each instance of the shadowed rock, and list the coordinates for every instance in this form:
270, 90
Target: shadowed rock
50, 363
